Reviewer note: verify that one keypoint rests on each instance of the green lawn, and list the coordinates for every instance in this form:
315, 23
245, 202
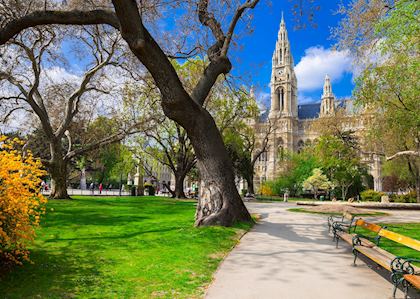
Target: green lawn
127, 247
407, 229
303, 210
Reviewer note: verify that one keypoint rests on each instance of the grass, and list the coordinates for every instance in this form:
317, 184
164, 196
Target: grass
120, 247
302, 210
411, 230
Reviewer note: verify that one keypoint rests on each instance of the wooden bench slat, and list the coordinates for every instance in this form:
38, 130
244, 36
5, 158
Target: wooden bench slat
377, 256
407, 241
413, 279
346, 237
371, 226
359, 222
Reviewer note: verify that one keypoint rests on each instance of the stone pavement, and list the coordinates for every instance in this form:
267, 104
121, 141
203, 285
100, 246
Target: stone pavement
291, 256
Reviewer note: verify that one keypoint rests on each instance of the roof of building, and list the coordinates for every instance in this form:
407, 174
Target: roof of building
307, 111
312, 110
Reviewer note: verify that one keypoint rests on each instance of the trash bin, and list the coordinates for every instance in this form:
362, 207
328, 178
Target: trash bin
321, 198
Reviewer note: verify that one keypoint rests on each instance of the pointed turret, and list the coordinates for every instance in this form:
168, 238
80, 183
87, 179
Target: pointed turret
283, 78
281, 55
327, 103
327, 87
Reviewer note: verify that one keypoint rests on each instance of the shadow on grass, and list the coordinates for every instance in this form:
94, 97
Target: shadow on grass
114, 237
52, 276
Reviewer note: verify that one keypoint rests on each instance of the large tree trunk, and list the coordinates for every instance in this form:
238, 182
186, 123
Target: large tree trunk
418, 188
219, 202
58, 172
179, 185
250, 183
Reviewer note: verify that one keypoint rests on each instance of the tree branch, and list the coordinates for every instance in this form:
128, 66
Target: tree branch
404, 153
238, 14
48, 17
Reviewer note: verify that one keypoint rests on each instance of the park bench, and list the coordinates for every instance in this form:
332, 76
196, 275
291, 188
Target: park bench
346, 220
403, 271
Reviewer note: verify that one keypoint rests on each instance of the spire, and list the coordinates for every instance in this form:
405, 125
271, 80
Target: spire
327, 88
327, 103
283, 79
283, 31
281, 55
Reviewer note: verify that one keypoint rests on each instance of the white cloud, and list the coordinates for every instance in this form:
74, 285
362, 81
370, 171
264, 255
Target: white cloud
304, 99
263, 100
58, 75
317, 62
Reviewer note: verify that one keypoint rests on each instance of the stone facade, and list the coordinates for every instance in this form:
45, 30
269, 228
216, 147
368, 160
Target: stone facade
292, 123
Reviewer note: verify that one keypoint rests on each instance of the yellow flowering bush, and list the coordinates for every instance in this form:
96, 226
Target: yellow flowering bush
266, 189
21, 201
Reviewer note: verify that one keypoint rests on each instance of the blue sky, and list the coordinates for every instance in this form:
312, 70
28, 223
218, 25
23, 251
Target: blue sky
311, 49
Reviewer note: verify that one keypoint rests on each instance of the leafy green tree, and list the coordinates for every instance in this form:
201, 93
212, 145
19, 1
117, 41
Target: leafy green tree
317, 181
243, 143
340, 160
168, 143
385, 37
297, 168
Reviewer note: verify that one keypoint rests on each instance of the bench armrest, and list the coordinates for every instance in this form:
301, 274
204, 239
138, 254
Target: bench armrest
341, 225
403, 265
332, 219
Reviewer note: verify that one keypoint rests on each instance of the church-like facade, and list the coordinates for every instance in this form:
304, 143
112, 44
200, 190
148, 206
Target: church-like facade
291, 122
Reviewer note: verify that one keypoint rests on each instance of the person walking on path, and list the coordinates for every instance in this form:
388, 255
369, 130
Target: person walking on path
92, 187
100, 188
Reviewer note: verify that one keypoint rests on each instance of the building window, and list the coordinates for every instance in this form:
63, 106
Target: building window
300, 146
280, 95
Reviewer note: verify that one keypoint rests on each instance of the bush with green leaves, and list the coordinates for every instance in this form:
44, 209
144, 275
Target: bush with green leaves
371, 195
405, 198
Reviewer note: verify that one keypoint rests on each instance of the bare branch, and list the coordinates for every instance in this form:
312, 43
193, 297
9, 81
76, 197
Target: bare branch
247, 5
47, 17
404, 154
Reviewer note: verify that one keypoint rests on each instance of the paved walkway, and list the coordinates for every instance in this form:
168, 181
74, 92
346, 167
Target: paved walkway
290, 256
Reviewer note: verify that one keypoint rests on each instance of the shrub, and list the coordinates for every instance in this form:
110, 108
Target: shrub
410, 197
371, 195
266, 189
21, 202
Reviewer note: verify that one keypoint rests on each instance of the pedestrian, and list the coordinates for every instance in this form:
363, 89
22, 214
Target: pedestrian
92, 187
100, 188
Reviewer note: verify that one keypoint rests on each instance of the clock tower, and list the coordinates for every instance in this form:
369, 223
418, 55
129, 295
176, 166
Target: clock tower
283, 79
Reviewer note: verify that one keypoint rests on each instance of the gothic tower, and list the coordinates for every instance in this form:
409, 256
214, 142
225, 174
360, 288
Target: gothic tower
327, 102
283, 79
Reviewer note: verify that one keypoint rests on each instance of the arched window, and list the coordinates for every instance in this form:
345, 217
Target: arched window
300, 146
280, 93
280, 149
281, 56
